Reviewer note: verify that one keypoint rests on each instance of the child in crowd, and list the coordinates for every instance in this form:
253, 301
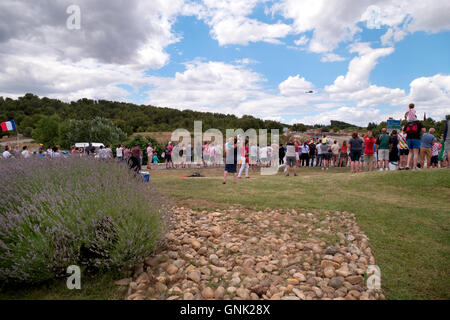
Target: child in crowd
155, 158
435, 148
410, 115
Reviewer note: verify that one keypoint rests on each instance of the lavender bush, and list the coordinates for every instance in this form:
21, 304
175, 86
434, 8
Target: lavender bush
55, 213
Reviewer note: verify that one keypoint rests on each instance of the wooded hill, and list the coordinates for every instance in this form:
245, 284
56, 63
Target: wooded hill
131, 118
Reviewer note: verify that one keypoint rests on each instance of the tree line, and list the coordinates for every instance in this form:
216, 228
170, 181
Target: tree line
52, 122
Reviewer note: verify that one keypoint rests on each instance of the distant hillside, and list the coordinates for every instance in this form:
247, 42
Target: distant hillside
28, 110
335, 125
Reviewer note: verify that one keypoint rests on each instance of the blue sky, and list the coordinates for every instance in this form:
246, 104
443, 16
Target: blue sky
364, 60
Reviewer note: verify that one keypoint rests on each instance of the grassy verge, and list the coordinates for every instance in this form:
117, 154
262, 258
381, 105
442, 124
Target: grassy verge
405, 214
99, 288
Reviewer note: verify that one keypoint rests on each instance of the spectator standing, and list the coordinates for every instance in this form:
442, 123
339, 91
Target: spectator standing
119, 152
136, 154
56, 152
393, 147
413, 130
126, 154
149, 155
325, 155
231, 159
263, 155
102, 153
335, 152
245, 161
281, 154
7, 154
436, 147
369, 156
403, 146
441, 152
297, 152
205, 151
168, 154
383, 150
344, 155
108, 152
253, 156
50, 152
25, 153
291, 160
446, 139
355, 144
212, 155
189, 154
426, 144
312, 152
304, 157
319, 155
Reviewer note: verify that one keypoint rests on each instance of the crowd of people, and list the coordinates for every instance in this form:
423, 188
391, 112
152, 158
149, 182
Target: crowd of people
411, 148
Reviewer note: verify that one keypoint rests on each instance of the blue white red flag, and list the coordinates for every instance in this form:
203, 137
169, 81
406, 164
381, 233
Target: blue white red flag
8, 125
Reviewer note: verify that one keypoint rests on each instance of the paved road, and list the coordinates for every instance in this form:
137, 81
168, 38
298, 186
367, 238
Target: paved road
13, 142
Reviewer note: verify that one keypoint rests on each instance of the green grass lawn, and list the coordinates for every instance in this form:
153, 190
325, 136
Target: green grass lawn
405, 214
99, 288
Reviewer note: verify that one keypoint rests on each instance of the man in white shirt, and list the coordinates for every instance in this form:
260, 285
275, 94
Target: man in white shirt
6, 154
119, 152
25, 153
108, 152
102, 152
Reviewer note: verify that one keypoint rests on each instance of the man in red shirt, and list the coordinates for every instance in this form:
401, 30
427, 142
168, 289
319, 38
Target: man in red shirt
369, 157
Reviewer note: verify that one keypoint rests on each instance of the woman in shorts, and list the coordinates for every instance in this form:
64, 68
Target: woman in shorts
356, 148
231, 159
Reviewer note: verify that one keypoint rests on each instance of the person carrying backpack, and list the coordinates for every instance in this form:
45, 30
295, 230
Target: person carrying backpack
413, 130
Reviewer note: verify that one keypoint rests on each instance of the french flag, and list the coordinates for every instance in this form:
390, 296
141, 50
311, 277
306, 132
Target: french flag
8, 125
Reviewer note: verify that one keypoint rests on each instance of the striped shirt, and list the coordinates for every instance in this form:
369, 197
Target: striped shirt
435, 149
402, 144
